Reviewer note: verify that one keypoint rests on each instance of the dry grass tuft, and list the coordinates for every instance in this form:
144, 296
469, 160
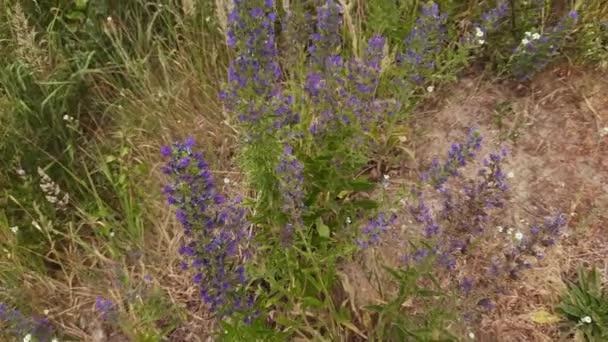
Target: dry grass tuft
28, 49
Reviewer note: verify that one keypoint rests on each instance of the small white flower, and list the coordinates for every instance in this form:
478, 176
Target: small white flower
207, 19
510, 231
519, 236
479, 32
604, 131
27, 338
430, 89
387, 177
525, 41
536, 36
111, 234
54, 340
348, 220
21, 172
46, 312
471, 335
481, 41
586, 319
109, 19
15, 229
510, 174
402, 201
226, 180
500, 229
528, 33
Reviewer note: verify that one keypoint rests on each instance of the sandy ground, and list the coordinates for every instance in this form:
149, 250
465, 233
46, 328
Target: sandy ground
556, 129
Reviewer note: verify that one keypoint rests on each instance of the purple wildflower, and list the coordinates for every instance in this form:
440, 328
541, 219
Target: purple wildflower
491, 19
105, 307
536, 50
374, 229
16, 323
467, 285
215, 228
345, 94
423, 44
458, 156
326, 39
252, 92
422, 214
291, 183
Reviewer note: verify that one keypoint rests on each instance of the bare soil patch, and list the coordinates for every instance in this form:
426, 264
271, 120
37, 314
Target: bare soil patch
555, 130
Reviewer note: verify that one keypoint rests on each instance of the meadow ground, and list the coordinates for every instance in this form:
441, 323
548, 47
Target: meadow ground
351, 183
553, 128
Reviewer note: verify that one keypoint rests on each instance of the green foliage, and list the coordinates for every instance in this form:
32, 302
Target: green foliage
145, 314
591, 41
419, 310
586, 305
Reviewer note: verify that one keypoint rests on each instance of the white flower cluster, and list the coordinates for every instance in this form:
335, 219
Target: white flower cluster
386, 181
479, 36
52, 191
529, 37
28, 338
518, 235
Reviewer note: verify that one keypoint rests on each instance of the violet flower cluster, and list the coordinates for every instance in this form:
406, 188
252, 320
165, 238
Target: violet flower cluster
464, 213
252, 92
524, 249
215, 229
326, 39
422, 215
423, 45
344, 96
468, 211
531, 245
291, 186
20, 325
458, 156
536, 50
296, 29
489, 21
375, 227
106, 309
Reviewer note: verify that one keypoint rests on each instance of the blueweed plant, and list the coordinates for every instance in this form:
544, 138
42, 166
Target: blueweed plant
458, 210
423, 46
18, 325
215, 228
301, 164
141, 313
537, 49
326, 40
489, 22
296, 26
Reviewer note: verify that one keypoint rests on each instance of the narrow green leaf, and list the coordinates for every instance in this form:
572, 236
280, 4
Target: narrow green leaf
366, 204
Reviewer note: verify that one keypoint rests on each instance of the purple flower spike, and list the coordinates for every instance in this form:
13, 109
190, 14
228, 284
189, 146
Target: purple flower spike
215, 227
